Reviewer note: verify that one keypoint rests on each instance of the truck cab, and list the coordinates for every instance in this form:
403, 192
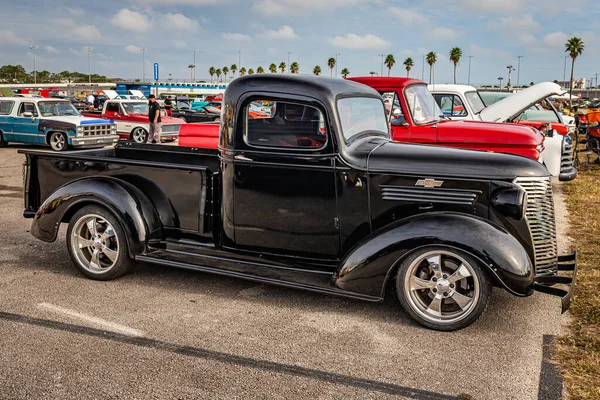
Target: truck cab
313, 195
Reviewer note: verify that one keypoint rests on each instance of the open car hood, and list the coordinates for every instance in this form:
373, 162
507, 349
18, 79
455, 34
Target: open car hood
511, 107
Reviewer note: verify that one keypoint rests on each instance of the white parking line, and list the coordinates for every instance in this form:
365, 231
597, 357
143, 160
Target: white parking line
109, 326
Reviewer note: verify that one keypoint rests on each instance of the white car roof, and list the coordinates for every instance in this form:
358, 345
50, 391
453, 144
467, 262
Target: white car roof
448, 88
33, 99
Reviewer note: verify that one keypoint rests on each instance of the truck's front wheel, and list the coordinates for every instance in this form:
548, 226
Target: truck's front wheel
58, 141
443, 288
139, 135
3, 142
97, 244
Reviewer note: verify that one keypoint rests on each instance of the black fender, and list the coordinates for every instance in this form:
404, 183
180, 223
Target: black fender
372, 262
138, 217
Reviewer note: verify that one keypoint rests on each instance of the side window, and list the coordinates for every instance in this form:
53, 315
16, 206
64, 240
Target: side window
285, 125
112, 107
451, 105
6, 107
393, 109
27, 107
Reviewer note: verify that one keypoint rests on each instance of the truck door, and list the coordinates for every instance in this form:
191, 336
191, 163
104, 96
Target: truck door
285, 189
6, 119
25, 128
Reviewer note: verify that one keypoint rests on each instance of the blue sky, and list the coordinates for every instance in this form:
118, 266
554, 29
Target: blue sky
495, 32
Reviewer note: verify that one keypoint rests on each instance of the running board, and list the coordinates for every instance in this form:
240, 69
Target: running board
565, 263
272, 281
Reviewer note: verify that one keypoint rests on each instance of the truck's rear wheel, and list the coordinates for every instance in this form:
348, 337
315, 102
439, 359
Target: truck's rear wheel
58, 141
97, 244
443, 288
139, 135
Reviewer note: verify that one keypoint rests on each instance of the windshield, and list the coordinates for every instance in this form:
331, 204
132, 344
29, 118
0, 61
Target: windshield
136, 108
422, 105
362, 114
56, 108
475, 101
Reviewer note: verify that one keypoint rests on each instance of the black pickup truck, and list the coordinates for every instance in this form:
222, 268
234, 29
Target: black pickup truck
313, 196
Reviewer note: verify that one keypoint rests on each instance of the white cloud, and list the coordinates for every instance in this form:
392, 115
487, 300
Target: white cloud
409, 16
526, 39
556, 39
356, 42
11, 39
86, 33
180, 44
497, 6
522, 23
131, 21
285, 32
476, 50
76, 52
272, 8
235, 36
76, 12
51, 50
444, 33
133, 49
184, 2
180, 22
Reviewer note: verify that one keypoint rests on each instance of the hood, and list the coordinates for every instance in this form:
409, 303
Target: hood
424, 161
78, 120
487, 133
164, 119
512, 106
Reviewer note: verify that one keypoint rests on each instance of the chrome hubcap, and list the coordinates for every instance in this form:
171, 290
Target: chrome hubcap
442, 287
57, 141
95, 244
139, 135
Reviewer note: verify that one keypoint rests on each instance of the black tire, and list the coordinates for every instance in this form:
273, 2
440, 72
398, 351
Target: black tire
113, 239
448, 291
139, 135
3, 142
58, 141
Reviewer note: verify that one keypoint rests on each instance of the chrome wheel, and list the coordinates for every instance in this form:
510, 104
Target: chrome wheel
441, 287
94, 244
139, 135
58, 141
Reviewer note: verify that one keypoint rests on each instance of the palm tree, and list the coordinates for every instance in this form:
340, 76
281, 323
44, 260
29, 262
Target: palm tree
225, 70
260, 70
242, 71
211, 72
282, 67
431, 58
272, 68
331, 65
250, 71
389, 62
316, 70
345, 73
294, 68
408, 64
218, 72
455, 55
574, 47
233, 69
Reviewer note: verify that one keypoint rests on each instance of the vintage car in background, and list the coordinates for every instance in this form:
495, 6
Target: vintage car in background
325, 202
79, 104
462, 102
52, 122
131, 117
201, 114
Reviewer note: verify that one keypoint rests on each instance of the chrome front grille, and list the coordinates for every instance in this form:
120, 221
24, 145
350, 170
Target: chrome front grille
540, 217
429, 195
566, 162
174, 128
98, 130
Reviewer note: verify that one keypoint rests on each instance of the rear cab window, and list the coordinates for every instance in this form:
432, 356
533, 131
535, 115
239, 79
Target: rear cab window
6, 107
285, 125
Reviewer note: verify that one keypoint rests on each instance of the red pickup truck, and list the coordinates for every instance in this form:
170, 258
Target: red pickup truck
131, 117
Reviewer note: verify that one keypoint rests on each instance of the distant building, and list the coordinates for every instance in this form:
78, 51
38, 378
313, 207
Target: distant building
577, 84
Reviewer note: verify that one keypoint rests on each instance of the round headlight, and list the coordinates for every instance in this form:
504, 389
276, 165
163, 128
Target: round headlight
511, 202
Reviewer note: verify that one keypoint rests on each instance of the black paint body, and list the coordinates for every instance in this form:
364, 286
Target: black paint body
336, 220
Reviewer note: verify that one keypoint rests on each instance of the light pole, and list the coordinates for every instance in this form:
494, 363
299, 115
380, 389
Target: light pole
381, 55
469, 79
510, 69
336, 58
500, 80
34, 48
565, 69
195, 50
518, 69
89, 50
288, 64
143, 49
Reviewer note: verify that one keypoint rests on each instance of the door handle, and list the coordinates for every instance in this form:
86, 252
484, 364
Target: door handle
240, 157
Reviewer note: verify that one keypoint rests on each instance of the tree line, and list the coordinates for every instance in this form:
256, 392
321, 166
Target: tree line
18, 74
294, 68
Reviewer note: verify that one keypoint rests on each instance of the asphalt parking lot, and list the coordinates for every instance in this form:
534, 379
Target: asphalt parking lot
166, 333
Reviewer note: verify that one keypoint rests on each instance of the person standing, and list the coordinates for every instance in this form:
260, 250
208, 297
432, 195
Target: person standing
168, 105
90, 100
155, 121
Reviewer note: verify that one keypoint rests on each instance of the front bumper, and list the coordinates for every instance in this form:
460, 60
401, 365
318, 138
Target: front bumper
545, 284
92, 141
169, 136
567, 174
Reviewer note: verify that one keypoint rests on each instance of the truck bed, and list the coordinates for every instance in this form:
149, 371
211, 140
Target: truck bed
174, 178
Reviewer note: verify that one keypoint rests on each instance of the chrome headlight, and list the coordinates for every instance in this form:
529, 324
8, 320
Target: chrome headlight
511, 202
79, 131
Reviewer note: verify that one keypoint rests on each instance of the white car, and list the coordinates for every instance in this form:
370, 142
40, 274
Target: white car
463, 102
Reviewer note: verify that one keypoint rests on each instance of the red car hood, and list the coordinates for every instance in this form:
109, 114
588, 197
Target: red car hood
144, 117
487, 133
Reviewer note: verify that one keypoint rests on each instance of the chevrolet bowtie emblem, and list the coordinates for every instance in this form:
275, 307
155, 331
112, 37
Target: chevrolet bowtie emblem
429, 183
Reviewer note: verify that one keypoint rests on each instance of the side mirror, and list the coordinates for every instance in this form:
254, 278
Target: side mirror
28, 114
401, 122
